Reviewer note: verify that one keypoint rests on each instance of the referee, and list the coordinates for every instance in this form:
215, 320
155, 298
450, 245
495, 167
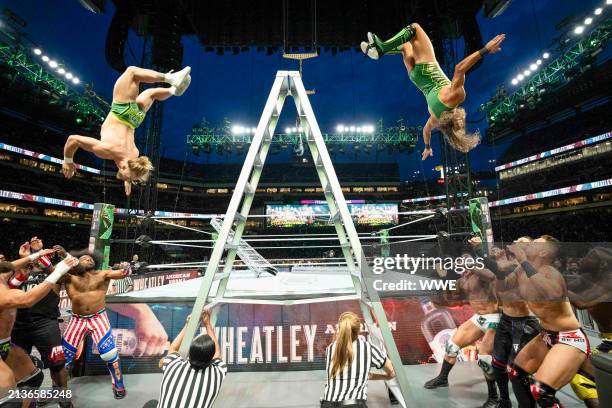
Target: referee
348, 362
193, 383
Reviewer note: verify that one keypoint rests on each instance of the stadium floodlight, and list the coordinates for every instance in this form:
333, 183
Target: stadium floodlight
237, 129
37, 51
515, 81
608, 2
293, 130
352, 128
254, 130
76, 80
588, 20
520, 77
370, 128
61, 71
339, 128
539, 62
526, 72
69, 75
579, 29
53, 64
45, 58
546, 55
287, 130
598, 11
358, 129
533, 67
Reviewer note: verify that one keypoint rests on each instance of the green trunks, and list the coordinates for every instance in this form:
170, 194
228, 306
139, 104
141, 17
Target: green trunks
129, 113
430, 78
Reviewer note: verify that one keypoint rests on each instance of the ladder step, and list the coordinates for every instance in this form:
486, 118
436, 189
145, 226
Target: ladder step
231, 246
328, 189
319, 162
248, 188
336, 217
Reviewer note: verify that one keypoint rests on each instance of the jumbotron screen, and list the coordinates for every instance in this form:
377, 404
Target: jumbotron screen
317, 215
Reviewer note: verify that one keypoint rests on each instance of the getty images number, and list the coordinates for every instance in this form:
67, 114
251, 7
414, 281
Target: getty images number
52, 393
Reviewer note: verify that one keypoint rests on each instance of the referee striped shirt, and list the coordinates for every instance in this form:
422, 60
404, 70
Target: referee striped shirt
182, 386
352, 383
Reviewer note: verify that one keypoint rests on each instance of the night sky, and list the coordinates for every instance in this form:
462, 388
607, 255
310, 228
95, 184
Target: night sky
351, 89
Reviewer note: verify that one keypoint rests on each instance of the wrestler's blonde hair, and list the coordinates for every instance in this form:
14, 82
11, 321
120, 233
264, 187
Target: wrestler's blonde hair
348, 331
141, 167
455, 133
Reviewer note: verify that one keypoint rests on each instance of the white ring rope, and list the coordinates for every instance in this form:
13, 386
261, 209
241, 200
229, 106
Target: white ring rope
297, 238
210, 216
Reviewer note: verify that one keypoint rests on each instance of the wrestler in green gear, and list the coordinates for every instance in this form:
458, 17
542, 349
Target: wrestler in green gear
443, 95
129, 113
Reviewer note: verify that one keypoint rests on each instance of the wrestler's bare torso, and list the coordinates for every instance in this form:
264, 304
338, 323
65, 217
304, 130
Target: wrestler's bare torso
87, 291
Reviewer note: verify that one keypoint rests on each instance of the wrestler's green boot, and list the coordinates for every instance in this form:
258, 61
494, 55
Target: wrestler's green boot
376, 47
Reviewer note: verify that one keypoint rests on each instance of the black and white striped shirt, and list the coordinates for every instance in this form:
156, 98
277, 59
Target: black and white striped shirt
352, 383
182, 386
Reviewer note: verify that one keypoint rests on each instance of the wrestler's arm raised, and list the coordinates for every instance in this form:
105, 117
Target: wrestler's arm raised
468, 62
15, 298
543, 280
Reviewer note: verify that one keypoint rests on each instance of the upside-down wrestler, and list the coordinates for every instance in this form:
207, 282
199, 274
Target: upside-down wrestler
443, 95
128, 111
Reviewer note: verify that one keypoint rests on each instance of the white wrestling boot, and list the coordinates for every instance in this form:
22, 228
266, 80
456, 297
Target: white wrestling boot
369, 48
182, 87
176, 79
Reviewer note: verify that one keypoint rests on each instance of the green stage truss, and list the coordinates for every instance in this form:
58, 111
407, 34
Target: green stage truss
86, 105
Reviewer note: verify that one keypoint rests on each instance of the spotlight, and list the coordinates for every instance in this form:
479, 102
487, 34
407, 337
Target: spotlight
598, 11
300, 129
579, 30
358, 129
69, 75
533, 67
254, 130
37, 51
546, 55
61, 71
526, 72
75, 80
53, 64
515, 81
236, 129
339, 128
288, 130
608, 2
45, 58
352, 128
539, 62
588, 20
520, 77
293, 130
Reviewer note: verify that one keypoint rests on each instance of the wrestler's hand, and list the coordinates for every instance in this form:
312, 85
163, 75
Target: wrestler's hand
24, 250
152, 337
495, 44
427, 153
46, 252
517, 252
475, 241
128, 187
69, 169
60, 251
